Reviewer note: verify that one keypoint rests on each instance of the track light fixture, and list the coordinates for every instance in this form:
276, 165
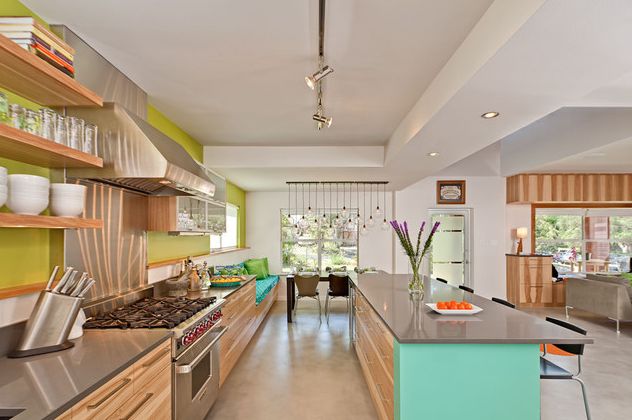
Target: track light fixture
312, 80
325, 121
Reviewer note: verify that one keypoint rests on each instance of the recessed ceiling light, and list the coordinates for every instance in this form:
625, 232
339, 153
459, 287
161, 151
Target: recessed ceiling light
491, 114
433, 154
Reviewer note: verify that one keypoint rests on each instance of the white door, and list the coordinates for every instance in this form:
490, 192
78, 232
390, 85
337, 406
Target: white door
450, 255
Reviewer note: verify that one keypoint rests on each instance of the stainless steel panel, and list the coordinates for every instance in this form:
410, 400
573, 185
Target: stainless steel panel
116, 256
98, 74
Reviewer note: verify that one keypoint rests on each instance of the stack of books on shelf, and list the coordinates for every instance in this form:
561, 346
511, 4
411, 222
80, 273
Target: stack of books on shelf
39, 40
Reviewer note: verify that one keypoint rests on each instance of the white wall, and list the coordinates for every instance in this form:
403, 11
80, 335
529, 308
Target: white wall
486, 196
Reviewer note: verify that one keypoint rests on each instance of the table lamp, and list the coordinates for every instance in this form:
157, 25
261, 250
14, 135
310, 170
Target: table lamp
521, 233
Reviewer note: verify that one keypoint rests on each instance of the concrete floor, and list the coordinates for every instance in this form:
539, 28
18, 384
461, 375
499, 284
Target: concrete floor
606, 370
309, 371
304, 370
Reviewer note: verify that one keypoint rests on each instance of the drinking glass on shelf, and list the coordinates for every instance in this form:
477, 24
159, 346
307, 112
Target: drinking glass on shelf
4, 108
90, 139
75, 132
16, 116
48, 118
32, 122
61, 129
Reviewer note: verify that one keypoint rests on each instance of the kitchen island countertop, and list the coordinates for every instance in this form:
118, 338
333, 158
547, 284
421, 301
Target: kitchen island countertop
414, 322
47, 385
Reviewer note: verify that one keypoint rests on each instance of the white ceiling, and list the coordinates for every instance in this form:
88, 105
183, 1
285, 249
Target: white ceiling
413, 76
231, 72
612, 158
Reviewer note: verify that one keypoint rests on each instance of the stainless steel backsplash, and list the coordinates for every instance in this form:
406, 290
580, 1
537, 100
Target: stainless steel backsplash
115, 256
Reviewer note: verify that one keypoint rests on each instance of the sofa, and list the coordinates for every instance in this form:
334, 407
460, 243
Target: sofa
606, 295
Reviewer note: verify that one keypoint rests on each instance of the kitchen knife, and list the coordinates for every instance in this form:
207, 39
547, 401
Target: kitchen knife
79, 286
63, 280
52, 277
69, 283
86, 288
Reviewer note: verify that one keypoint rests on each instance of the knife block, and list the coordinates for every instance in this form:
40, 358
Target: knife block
49, 325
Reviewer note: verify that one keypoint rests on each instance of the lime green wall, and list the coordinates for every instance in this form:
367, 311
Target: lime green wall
162, 123
237, 197
26, 255
161, 246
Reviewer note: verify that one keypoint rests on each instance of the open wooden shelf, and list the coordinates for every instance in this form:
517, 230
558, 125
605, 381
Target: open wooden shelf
48, 222
28, 148
31, 77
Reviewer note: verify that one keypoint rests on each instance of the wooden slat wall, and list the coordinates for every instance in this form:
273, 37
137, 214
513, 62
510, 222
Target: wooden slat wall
561, 188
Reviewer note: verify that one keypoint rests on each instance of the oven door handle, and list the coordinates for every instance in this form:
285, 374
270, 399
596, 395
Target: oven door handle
188, 368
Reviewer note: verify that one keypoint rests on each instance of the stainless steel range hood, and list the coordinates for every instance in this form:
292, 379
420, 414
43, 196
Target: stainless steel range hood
139, 157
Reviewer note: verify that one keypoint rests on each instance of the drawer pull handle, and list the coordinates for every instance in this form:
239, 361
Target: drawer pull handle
110, 394
156, 358
138, 406
379, 391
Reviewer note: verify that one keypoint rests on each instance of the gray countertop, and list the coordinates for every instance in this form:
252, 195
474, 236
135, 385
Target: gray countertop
414, 322
221, 292
47, 385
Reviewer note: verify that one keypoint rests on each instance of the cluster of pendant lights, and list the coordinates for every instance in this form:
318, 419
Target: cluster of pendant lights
341, 205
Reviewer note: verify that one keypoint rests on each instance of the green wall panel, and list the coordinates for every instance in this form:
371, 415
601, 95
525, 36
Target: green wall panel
162, 123
26, 255
473, 381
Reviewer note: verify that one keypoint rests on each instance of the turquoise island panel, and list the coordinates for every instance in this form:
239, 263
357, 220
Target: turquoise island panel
466, 381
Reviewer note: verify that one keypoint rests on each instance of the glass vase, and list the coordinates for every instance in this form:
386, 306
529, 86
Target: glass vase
415, 285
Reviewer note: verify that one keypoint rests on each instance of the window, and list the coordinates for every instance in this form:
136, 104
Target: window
227, 239
320, 244
585, 239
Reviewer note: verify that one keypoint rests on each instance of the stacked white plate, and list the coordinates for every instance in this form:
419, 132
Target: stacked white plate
4, 189
28, 194
67, 200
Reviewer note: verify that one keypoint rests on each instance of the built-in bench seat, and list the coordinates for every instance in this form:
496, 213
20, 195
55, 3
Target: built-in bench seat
264, 286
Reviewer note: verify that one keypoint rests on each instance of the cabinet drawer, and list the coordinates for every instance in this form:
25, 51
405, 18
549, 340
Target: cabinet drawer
104, 402
146, 369
380, 388
151, 402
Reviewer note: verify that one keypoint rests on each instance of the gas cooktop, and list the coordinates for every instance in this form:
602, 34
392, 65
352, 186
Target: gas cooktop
162, 312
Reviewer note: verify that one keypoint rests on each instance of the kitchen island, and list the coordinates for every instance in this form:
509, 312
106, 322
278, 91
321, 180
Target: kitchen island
420, 364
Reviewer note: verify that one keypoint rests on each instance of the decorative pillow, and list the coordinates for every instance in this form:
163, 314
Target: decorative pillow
231, 270
257, 268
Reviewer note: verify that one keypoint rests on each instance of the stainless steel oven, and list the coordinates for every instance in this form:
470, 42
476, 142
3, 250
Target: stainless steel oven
196, 377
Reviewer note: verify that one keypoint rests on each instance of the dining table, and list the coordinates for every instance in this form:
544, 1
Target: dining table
291, 291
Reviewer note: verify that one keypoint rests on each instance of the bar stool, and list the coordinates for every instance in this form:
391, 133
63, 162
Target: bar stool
504, 302
467, 289
549, 370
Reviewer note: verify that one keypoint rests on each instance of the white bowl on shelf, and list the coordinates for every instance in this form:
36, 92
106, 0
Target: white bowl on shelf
4, 194
25, 181
27, 203
67, 200
4, 176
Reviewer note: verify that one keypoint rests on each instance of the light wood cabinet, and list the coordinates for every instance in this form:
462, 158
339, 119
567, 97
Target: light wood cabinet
374, 347
530, 281
141, 391
185, 214
243, 317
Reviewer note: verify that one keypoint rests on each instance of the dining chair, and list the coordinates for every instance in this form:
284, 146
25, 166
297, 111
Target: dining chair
504, 302
338, 288
441, 280
307, 286
467, 289
550, 370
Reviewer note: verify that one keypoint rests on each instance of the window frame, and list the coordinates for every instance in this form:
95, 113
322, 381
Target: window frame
220, 236
579, 208
319, 240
